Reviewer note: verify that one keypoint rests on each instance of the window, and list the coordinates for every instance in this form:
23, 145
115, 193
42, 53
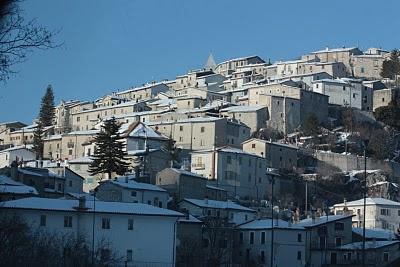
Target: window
78, 119
385, 256
70, 152
130, 224
383, 99
398, 212
338, 241
362, 70
241, 238
262, 238
129, 255
202, 129
253, 145
298, 255
228, 159
385, 212
344, 88
181, 128
251, 237
339, 226
298, 237
42, 220
133, 193
262, 256
68, 221
70, 183
105, 223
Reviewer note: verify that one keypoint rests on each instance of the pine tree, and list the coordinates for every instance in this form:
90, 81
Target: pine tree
46, 114
109, 154
172, 150
391, 67
38, 141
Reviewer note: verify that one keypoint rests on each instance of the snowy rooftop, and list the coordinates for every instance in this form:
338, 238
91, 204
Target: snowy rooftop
9, 186
140, 130
30, 172
242, 108
184, 172
81, 160
271, 143
87, 132
215, 188
374, 233
145, 86
27, 147
321, 220
266, 224
127, 183
337, 81
369, 201
191, 219
215, 204
333, 50
368, 245
225, 149
34, 203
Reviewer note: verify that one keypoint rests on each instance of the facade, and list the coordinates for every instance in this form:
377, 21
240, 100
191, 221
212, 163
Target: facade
123, 189
254, 117
203, 132
368, 66
226, 68
277, 155
6, 128
234, 213
120, 224
383, 97
346, 92
182, 184
18, 153
380, 213
239, 172
254, 241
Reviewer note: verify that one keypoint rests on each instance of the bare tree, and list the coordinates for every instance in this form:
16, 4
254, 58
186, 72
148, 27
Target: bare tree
19, 37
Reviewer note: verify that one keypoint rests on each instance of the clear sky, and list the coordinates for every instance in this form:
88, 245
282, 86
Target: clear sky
113, 45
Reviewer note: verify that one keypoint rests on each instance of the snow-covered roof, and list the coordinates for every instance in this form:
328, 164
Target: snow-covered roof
333, 50
215, 188
53, 137
197, 119
191, 219
184, 172
238, 59
9, 186
27, 147
145, 86
81, 160
127, 183
216, 204
368, 245
321, 220
242, 108
337, 81
140, 130
271, 143
87, 196
70, 205
267, 224
374, 233
87, 132
225, 149
30, 172
369, 201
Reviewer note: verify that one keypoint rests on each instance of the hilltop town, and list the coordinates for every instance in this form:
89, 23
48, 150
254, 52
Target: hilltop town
245, 162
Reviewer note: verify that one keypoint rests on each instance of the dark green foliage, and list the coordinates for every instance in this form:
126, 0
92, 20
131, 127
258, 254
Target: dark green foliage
109, 154
38, 144
389, 115
391, 67
172, 150
46, 114
311, 125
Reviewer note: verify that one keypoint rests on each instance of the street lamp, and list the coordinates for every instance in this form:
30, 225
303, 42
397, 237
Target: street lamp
94, 222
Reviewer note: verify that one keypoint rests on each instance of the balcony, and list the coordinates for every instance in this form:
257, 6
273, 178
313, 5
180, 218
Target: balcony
198, 166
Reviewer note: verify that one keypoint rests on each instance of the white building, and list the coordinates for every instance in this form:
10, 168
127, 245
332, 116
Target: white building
235, 213
124, 189
140, 234
20, 153
254, 239
380, 213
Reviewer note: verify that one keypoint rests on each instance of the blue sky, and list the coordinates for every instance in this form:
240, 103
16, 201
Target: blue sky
111, 45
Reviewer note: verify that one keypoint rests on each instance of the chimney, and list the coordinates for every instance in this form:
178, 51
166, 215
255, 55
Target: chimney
313, 216
126, 179
14, 170
82, 203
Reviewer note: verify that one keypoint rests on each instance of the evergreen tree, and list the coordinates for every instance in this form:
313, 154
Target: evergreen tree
391, 67
38, 141
46, 114
109, 154
173, 151
311, 125
390, 114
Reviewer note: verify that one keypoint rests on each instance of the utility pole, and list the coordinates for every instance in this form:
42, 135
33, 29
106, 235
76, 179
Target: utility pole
306, 206
365, 195
272, 181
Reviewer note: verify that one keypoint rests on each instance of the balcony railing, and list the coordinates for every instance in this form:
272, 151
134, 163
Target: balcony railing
198, 166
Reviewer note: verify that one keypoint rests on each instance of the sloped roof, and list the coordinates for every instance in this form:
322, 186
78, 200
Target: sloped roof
321, 220
267, 224
9, 186
140, 130
216, 204
369, 201
131, 184
35, 203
